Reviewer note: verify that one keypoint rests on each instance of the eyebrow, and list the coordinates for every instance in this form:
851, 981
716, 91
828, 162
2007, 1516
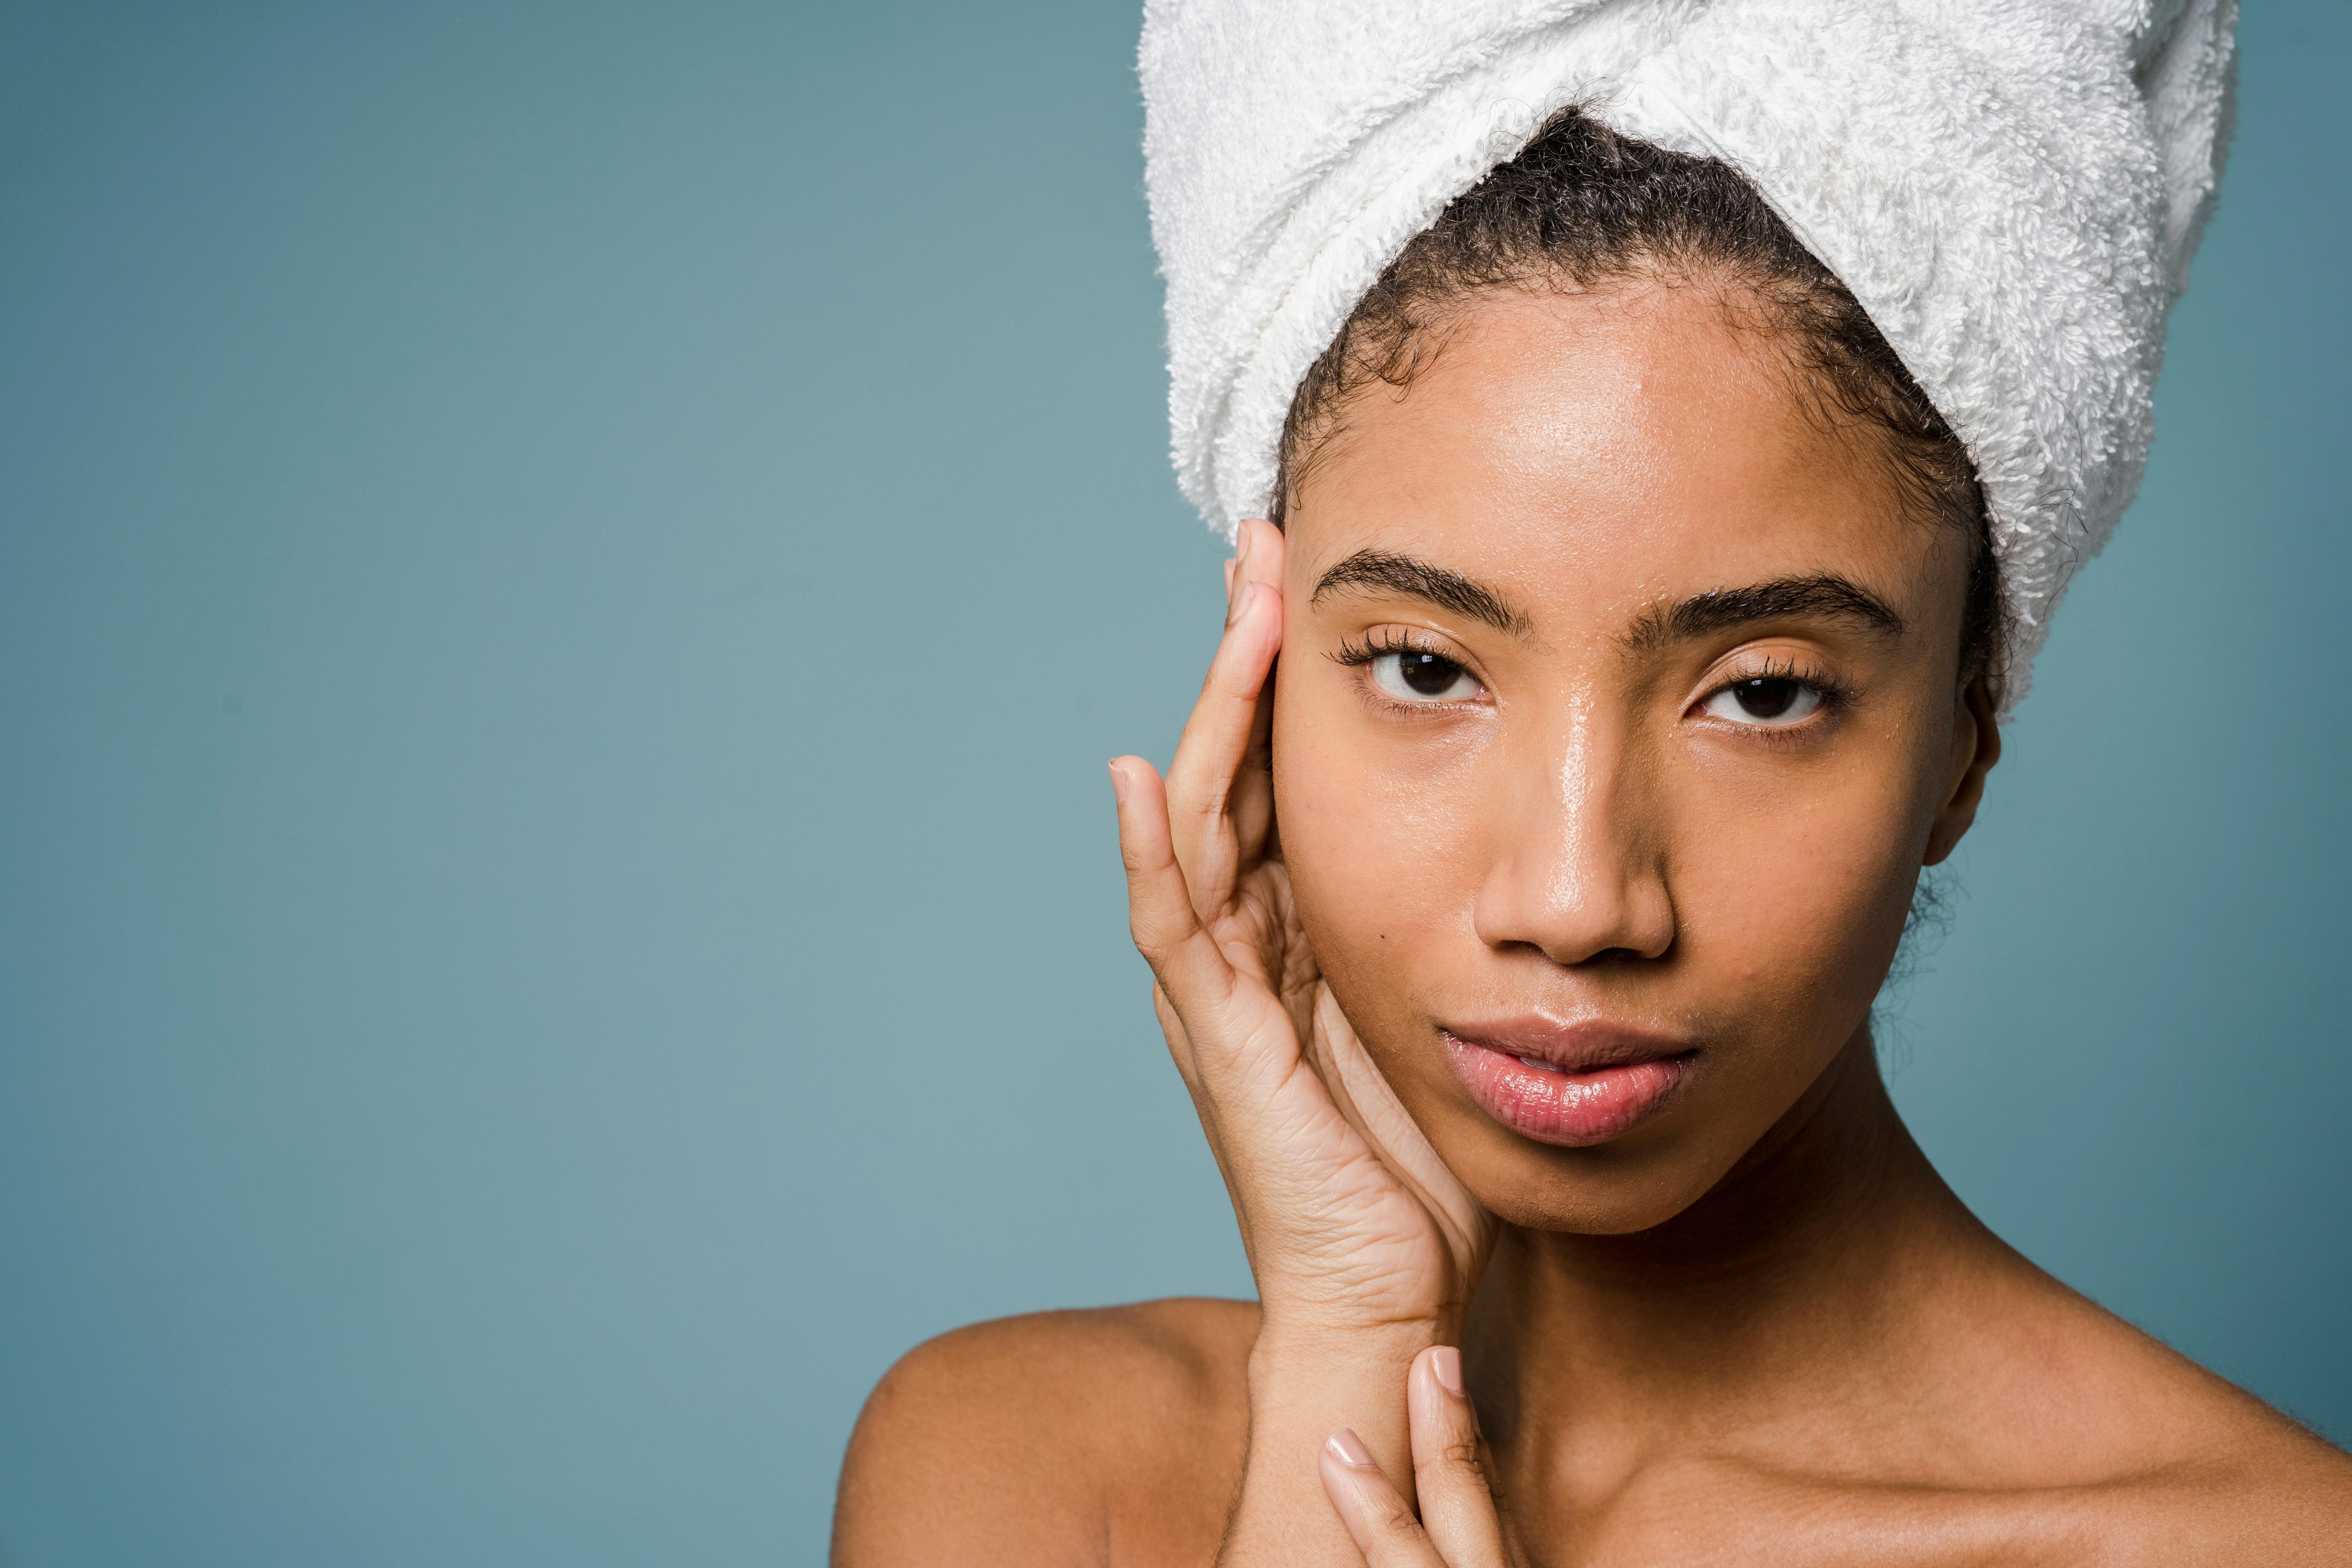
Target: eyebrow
1822, 594
1381, 572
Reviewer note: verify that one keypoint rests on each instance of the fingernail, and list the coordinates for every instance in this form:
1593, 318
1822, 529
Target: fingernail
1349, 1450
1231, 562
1241, 546
1446, 1363
1117, 783
1241, 603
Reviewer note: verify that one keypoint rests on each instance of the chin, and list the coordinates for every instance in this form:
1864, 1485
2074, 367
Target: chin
1616, 1188
1588, 1207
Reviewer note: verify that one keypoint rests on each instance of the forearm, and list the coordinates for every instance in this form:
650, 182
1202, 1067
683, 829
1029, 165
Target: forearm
1304, 1385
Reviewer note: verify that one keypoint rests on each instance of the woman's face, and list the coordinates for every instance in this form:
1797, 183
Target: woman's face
1615, 717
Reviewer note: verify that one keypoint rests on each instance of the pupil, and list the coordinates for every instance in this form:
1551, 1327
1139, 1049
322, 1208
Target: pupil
1765, 699
1428, 674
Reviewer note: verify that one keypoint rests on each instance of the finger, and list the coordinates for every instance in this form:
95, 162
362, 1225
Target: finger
1370, 1104
1377, 1518
1449, 1472
1252, 806
1213, 755
1159, 912
1216, 741
1257, 558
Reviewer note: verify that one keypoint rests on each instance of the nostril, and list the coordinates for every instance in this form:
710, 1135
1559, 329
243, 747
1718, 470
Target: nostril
1605, 956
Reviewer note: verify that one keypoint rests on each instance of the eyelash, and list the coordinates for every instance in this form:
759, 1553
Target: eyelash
1836, 694
1388, 642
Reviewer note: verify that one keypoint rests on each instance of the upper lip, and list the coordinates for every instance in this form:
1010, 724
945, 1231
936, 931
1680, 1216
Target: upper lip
1582, 1046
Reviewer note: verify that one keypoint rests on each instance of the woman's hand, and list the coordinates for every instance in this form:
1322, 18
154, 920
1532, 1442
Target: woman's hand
1365, 1247
1350, 1220
1458, 1525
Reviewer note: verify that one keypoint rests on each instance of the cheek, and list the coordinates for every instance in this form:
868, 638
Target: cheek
1379, 838
1792, 899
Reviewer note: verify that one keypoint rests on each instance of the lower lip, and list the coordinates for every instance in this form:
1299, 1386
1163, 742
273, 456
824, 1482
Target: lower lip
1570, 1108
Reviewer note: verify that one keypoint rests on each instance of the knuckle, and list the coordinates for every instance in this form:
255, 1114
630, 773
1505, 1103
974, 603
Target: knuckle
1151, 927
1204, 805
1455, 1460
1140, 857
1390, 1520
1155, 944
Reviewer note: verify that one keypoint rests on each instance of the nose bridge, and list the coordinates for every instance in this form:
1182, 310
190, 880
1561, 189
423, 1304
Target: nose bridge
1578, 869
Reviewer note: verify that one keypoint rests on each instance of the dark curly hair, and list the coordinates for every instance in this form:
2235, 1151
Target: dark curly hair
1581, 206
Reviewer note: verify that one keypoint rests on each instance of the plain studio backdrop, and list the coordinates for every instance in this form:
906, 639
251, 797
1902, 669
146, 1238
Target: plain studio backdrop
567, 575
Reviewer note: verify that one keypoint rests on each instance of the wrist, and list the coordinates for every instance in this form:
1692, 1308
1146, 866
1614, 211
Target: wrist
1317, 1345
1309, 1376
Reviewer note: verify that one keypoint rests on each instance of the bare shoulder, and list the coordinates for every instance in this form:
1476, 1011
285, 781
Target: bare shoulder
2239, 1479
2161, 1459
2281, 1497
1083, 1436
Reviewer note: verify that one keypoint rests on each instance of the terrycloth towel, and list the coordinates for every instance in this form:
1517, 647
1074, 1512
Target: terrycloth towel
2012, 188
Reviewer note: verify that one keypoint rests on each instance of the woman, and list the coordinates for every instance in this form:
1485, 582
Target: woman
1627, 630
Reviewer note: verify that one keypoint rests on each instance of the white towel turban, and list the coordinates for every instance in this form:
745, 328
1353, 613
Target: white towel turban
2012, 188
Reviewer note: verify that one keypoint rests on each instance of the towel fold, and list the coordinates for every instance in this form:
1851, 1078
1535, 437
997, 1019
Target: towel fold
2012, 188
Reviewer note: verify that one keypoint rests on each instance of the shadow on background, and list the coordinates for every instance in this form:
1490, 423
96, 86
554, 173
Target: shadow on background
566, 577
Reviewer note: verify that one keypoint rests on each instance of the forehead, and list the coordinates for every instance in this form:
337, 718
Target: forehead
1598, 451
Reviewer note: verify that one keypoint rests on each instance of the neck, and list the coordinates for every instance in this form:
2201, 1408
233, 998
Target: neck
1809, 1254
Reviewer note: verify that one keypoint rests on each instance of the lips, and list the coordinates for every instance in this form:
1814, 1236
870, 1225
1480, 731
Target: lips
1571, 1085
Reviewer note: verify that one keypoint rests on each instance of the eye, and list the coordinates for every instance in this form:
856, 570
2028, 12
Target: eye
1766, 702
1414, 676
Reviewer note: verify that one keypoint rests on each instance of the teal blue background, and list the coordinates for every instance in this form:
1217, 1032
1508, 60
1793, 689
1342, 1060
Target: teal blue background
567, 573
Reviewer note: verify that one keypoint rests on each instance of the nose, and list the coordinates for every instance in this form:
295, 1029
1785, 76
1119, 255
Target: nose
1578, 867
